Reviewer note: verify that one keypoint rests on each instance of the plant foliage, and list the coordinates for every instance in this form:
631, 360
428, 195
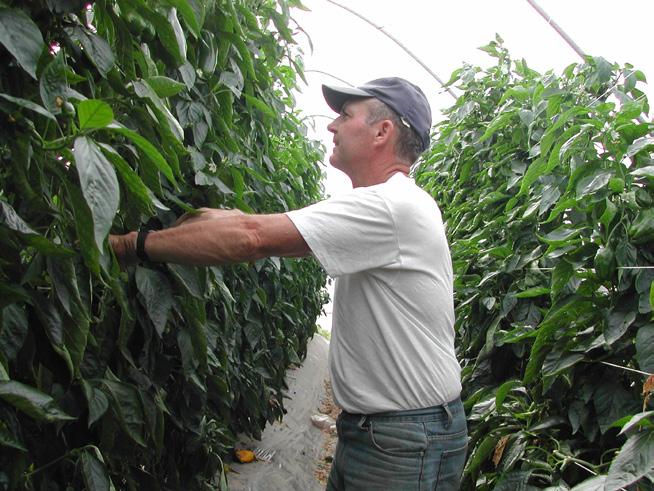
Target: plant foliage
119, 114
546, 183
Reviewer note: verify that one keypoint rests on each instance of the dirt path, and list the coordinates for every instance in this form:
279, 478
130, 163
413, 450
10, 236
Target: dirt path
324, 463
296, 443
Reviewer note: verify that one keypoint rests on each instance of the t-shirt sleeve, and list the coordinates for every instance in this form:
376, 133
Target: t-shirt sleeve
349, 233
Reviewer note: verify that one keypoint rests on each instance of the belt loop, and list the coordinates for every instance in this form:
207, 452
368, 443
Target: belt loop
362, 421
446, 407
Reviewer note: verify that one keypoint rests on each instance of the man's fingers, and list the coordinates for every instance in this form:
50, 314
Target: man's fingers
182, 219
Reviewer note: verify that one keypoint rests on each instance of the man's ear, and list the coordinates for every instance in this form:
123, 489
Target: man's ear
385, 131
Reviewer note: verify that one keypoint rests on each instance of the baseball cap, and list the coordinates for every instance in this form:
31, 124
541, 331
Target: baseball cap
405, 98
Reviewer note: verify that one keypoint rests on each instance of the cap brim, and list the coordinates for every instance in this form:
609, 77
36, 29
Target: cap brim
336, 96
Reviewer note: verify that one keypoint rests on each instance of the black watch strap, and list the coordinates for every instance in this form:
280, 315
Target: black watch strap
140, 245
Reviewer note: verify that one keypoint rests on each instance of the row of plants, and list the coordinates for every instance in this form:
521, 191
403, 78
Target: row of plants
116, 115
546, 185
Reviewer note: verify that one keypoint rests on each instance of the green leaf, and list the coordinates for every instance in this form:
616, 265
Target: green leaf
548, 137
10, 219
577, 413
639, 145
22, 38
13, 332
164, 86
593, 182
127, 405
36, 404
94, 471
97, 402
202, 179
634, 461
99, 186
512, 481
560, 277
561, 236
85, 228
558, 316
612, 402
170, 127
54, 328
148, 149
94, 47
592, 484
188, 15
603, 70
165, 32
609, 213
234, 81
179, 32
156, 293
556, 362
617, 324
642, 228
53, 86
563, 145
480, 453
645, 348
647, 171
637, 420
502, 120
64, 278
94, 113
190, 278
504, 390
535, 170
9, 440
260, 105
139, 191
29, 105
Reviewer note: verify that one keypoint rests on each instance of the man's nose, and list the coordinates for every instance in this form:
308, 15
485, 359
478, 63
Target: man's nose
331, 127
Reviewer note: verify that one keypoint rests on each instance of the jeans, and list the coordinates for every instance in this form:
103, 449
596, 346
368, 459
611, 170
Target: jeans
422, 449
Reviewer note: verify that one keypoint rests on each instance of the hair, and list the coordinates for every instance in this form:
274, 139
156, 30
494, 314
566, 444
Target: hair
408, 145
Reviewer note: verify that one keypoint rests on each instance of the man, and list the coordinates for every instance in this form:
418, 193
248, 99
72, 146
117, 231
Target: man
392, 362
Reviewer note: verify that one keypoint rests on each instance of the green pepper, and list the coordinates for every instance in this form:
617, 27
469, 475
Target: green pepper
604, 263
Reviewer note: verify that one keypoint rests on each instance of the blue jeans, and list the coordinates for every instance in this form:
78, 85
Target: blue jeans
422, 449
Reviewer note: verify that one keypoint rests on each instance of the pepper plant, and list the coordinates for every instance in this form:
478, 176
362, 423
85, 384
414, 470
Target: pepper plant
546, 185
115, 115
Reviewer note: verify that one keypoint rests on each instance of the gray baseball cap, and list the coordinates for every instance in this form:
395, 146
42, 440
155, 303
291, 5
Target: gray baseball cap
405, 98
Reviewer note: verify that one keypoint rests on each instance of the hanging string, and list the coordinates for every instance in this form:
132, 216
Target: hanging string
627, 369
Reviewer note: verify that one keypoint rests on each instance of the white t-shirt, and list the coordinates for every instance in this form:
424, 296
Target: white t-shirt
392, 341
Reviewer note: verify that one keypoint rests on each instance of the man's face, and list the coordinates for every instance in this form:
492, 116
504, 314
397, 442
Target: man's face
353, 136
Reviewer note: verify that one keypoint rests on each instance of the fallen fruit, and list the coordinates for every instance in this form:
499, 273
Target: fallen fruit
245, 456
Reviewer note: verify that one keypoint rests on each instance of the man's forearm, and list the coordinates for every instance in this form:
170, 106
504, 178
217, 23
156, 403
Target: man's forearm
211, 242
226, 239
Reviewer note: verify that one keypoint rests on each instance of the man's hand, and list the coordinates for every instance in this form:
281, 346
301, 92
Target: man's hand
124, 247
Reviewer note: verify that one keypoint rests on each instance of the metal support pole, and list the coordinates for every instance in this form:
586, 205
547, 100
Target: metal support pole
396, 41
557, 28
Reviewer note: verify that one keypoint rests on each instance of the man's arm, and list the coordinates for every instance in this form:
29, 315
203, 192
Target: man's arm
217, 237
